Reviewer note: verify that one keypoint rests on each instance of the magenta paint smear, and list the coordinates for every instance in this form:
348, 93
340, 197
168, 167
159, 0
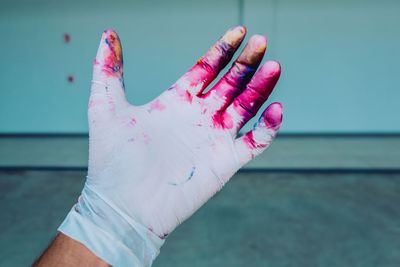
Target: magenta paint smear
250, 143
112, 65
132, 122
272, 117
222, 120
257, 91
208, 67
244, 67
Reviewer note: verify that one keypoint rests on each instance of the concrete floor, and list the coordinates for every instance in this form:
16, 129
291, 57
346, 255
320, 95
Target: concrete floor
306, 201
258, 219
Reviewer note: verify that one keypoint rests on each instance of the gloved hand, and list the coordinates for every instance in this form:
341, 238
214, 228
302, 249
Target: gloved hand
152, 166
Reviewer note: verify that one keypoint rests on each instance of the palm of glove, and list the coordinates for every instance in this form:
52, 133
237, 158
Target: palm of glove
158, 163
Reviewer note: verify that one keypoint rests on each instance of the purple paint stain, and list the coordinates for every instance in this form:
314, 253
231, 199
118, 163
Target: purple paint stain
163, 236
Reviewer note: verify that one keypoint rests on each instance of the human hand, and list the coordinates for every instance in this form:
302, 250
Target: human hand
152, 166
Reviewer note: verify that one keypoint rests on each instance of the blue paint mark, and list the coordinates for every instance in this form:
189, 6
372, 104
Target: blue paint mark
122, 82
191, 174
188, 179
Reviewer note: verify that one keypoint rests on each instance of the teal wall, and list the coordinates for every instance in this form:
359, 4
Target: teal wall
340, 59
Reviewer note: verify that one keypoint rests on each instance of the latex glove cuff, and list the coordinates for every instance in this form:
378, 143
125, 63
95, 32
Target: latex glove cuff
109, 233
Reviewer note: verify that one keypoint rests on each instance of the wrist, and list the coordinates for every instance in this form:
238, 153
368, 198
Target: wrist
65, 251
109, 233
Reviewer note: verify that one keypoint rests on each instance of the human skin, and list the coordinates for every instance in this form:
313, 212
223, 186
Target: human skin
158, 163
66, 252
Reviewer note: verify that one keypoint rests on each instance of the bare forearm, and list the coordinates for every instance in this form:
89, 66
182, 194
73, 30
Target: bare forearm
65, 251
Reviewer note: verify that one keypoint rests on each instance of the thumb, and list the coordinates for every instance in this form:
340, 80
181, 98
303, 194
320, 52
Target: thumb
254, 142
108, 92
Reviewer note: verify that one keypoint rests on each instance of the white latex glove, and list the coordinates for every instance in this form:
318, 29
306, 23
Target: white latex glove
152, 166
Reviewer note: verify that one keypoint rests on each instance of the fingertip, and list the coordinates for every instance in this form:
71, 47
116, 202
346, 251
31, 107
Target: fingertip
234, 36
109, 58
273, 114
254, 51
240, 28
108, 31
259, 42
272, 67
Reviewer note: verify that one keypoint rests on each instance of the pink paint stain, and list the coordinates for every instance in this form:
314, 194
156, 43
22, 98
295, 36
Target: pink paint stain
185, 95
200, 73
189, 96
157, 105
132, 122
110, 99
222, 120
112, 65
250, 143
93, 103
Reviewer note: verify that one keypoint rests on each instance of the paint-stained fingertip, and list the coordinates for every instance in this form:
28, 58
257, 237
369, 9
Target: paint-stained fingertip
109, 55
108, 32
234, 36
259, 42
272, 67
240, 28
273, 114
111, 38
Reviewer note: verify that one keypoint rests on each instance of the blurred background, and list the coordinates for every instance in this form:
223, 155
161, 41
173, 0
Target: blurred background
327, 191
